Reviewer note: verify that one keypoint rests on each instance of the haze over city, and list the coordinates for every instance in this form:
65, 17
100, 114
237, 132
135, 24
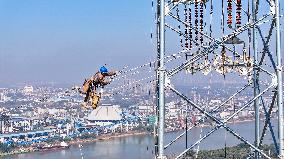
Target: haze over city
67, 41
163, 79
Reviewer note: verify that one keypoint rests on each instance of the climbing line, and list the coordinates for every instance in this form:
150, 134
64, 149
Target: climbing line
142, 79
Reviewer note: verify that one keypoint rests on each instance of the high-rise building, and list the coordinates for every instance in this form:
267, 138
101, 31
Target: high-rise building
28, 89
3, 98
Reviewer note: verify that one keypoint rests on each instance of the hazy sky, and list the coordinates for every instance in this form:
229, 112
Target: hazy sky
67, 40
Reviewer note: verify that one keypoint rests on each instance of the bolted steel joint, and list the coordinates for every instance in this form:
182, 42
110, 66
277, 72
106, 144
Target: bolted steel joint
274, 82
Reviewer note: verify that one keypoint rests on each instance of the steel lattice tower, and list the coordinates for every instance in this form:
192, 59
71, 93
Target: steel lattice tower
253, 26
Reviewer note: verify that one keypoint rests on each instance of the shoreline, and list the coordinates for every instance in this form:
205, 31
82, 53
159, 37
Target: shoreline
78, 142
106, 137
213, 125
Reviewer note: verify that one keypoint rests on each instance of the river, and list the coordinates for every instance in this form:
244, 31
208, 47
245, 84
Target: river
141, 147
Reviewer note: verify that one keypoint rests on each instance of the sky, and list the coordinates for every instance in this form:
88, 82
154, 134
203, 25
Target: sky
68, 40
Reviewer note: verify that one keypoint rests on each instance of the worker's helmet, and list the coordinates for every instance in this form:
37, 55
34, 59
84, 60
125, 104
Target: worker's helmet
103, 69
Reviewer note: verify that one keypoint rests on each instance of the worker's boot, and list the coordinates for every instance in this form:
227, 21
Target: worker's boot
95, 101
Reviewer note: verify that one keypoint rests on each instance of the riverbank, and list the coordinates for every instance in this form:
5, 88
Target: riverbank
233, 121
207, 125
18, 151
106, 137
90, 138
239, 151
77, 141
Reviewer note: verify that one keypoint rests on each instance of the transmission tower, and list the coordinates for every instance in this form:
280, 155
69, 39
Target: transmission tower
251, 26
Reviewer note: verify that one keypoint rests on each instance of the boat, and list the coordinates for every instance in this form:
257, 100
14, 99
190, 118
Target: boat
53, 147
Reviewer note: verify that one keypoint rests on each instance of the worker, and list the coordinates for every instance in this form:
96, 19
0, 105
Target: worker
90, 86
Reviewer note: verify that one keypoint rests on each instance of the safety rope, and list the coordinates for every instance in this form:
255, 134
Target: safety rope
142, 79
120, 75
152, 63
124, 76
137, 84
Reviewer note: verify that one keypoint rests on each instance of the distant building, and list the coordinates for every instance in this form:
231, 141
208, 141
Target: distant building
146, 109
217, 101
3, 98
224, 114
28, 89
20, 124
105, 115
